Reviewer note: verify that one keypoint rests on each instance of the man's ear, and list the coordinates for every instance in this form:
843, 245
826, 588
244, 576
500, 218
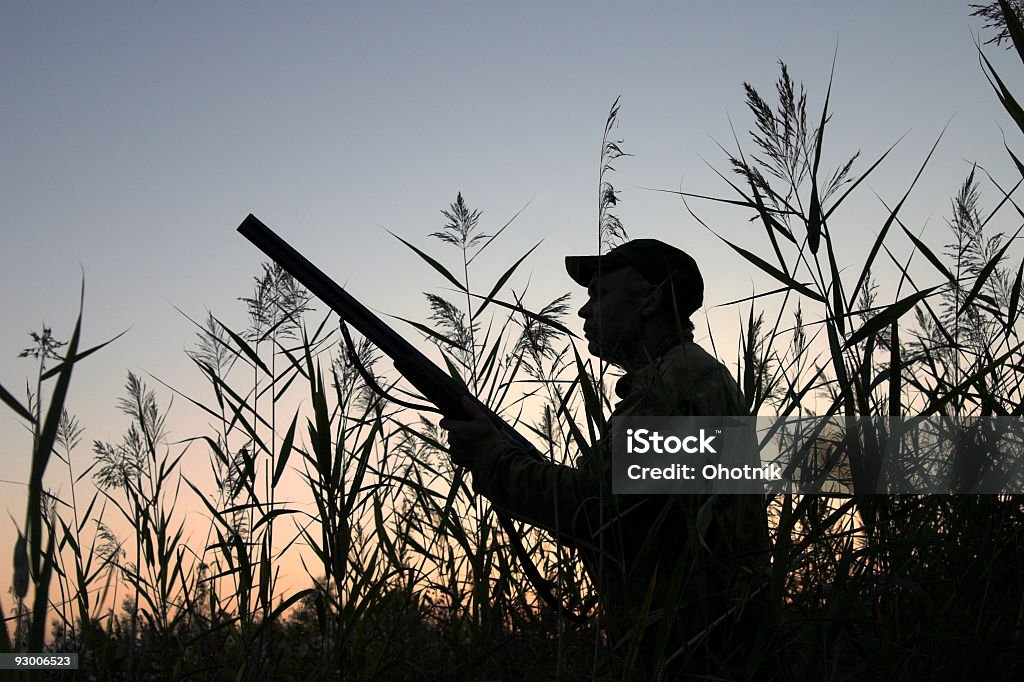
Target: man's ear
652, 304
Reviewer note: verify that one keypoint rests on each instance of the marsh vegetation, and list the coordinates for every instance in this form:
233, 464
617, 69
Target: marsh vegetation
406, 575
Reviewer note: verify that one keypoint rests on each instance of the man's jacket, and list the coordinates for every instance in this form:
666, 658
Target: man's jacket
666, 567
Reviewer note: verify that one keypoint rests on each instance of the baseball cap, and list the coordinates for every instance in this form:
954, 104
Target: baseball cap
657, 261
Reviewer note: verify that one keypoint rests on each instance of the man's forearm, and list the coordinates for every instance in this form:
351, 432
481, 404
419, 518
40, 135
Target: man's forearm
559, 498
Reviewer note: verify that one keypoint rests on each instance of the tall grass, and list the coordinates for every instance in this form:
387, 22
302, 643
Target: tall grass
894, 587
407, 574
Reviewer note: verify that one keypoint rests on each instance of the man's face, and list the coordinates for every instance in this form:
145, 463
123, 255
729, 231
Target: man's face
612, 314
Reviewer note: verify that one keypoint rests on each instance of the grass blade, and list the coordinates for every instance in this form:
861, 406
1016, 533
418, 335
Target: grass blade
983, 276
245, 347
887, 317
431, 262
286, 451
57, 368
770, 269
13, 403
888, 223
1013, 26
815, 219
501, 281
932, 258
47, 437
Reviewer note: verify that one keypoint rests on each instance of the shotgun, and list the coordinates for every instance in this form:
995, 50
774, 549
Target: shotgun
434, 384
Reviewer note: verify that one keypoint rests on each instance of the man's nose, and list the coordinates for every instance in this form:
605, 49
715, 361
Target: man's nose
585, 310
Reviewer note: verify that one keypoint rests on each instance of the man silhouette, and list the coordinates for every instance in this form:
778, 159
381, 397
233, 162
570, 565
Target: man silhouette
677, 575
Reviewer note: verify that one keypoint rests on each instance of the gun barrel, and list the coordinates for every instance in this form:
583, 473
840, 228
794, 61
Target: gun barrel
323, 287
435, 385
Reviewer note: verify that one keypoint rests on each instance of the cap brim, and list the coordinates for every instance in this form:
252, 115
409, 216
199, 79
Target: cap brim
583, 268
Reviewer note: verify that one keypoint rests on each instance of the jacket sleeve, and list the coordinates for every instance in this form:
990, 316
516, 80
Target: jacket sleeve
564, 500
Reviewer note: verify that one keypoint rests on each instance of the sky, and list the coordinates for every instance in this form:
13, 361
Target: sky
137, 136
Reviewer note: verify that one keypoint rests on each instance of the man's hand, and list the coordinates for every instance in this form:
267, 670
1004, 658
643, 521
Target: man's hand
466, 437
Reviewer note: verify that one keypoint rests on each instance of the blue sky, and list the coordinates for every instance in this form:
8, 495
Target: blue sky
136, 136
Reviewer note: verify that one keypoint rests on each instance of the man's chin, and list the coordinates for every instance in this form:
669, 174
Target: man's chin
594, 348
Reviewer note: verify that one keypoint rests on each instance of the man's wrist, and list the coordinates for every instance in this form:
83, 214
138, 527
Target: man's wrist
487, 456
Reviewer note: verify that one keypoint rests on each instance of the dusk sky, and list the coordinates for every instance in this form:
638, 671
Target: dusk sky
136, 136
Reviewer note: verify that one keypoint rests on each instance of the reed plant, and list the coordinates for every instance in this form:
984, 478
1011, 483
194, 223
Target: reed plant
894, 587
407, 574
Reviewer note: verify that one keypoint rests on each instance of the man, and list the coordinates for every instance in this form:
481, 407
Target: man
677, 575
